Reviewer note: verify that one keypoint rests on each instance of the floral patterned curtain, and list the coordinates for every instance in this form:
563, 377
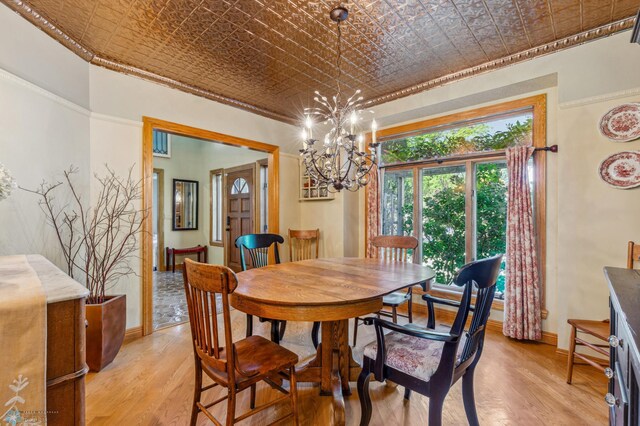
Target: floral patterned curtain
373, 210
522, 317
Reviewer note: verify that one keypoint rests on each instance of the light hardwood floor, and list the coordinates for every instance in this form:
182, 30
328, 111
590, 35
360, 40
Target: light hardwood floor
151, 383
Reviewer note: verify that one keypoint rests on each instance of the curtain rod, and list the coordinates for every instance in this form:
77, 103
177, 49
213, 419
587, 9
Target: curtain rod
552, 148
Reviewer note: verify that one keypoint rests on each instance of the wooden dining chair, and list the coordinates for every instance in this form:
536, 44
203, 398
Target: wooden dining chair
303, 245
429, 361
393, 247
257, 246
599, 330
235, 366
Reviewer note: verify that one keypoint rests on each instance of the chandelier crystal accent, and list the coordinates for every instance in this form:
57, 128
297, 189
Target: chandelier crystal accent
338, 160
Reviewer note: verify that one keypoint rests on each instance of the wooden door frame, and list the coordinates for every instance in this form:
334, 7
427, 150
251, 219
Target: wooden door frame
160, 172
148, 125
225, 202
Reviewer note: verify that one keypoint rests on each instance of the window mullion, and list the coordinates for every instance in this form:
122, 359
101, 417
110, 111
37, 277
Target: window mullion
417, 213
470, 212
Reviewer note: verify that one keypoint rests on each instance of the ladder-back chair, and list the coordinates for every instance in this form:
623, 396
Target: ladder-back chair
303, 245
599, 330
393, 247
254, 253
235, 366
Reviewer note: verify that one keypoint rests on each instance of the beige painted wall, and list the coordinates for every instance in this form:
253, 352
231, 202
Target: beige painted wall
595, 221
42, 136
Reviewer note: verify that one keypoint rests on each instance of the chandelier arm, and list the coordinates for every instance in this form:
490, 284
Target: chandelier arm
350, 162
315, 166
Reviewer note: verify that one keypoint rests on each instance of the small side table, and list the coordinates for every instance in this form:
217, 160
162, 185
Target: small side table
172, 252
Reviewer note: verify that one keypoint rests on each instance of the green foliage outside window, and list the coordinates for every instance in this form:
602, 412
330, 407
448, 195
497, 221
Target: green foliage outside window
443, 220
447, 143
443, 194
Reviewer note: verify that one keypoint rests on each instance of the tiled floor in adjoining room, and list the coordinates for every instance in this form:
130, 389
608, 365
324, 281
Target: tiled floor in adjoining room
169, 302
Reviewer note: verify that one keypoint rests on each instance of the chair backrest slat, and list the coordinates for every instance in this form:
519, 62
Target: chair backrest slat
394, 247
483, 275
302, 244
202, 284
258, 245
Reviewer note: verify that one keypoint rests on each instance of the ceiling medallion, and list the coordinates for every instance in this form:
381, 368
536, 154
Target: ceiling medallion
338, 161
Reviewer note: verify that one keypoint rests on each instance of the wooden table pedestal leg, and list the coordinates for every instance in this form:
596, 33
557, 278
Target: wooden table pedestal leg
333, 367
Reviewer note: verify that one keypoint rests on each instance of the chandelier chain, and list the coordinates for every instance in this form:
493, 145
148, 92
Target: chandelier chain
339, 58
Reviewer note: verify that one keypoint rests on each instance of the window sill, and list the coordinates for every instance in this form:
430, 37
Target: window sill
497, 305
216, 243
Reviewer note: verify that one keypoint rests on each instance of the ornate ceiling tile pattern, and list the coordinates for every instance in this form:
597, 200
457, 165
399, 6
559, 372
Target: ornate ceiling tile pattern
270, 56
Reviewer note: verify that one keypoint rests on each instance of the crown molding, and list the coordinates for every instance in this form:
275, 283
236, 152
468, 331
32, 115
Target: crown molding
117, 120
525, 55
45, 25
600, 98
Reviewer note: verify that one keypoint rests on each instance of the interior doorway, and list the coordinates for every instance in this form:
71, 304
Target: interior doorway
260, 172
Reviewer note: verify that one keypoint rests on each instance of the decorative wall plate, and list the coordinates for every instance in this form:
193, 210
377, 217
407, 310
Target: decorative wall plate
622, 123
621, 170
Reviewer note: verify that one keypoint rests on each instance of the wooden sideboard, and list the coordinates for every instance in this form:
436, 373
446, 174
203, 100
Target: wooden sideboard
623, 397
66, 341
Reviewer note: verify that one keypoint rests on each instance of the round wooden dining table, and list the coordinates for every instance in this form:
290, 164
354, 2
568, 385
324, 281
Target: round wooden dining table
330, 291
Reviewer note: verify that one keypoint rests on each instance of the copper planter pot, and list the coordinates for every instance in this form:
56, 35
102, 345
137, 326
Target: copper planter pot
106, 324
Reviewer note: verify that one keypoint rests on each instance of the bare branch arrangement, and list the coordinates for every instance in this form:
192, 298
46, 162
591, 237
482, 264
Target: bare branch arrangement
97, 242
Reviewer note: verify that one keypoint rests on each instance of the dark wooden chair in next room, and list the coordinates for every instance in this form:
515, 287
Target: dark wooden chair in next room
430, 361
257, 247
236, 366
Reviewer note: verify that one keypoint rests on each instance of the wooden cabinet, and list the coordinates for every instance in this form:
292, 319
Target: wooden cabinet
623, 395
66, 342
66, 366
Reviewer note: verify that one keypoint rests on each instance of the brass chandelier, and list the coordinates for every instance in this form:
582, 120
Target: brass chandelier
339, 160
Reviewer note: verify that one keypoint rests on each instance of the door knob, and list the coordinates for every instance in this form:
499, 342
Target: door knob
611, 400
614, 342
609, 373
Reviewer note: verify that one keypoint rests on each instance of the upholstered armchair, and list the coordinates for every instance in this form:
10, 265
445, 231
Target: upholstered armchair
430, 360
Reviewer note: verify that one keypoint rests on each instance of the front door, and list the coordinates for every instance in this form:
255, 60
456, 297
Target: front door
240, 192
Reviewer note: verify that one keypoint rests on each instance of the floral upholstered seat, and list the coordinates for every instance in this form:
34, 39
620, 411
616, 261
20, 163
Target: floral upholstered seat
414, 356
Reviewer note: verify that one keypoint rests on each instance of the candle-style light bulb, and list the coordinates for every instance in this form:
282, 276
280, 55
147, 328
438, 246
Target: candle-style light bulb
303, 134
374, 127
361, 142
308, 124
353, 120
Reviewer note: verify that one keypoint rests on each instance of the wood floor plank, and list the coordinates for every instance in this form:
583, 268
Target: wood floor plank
151, 383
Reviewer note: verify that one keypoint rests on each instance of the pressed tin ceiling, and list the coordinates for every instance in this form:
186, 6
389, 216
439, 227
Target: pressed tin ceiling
270, 56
